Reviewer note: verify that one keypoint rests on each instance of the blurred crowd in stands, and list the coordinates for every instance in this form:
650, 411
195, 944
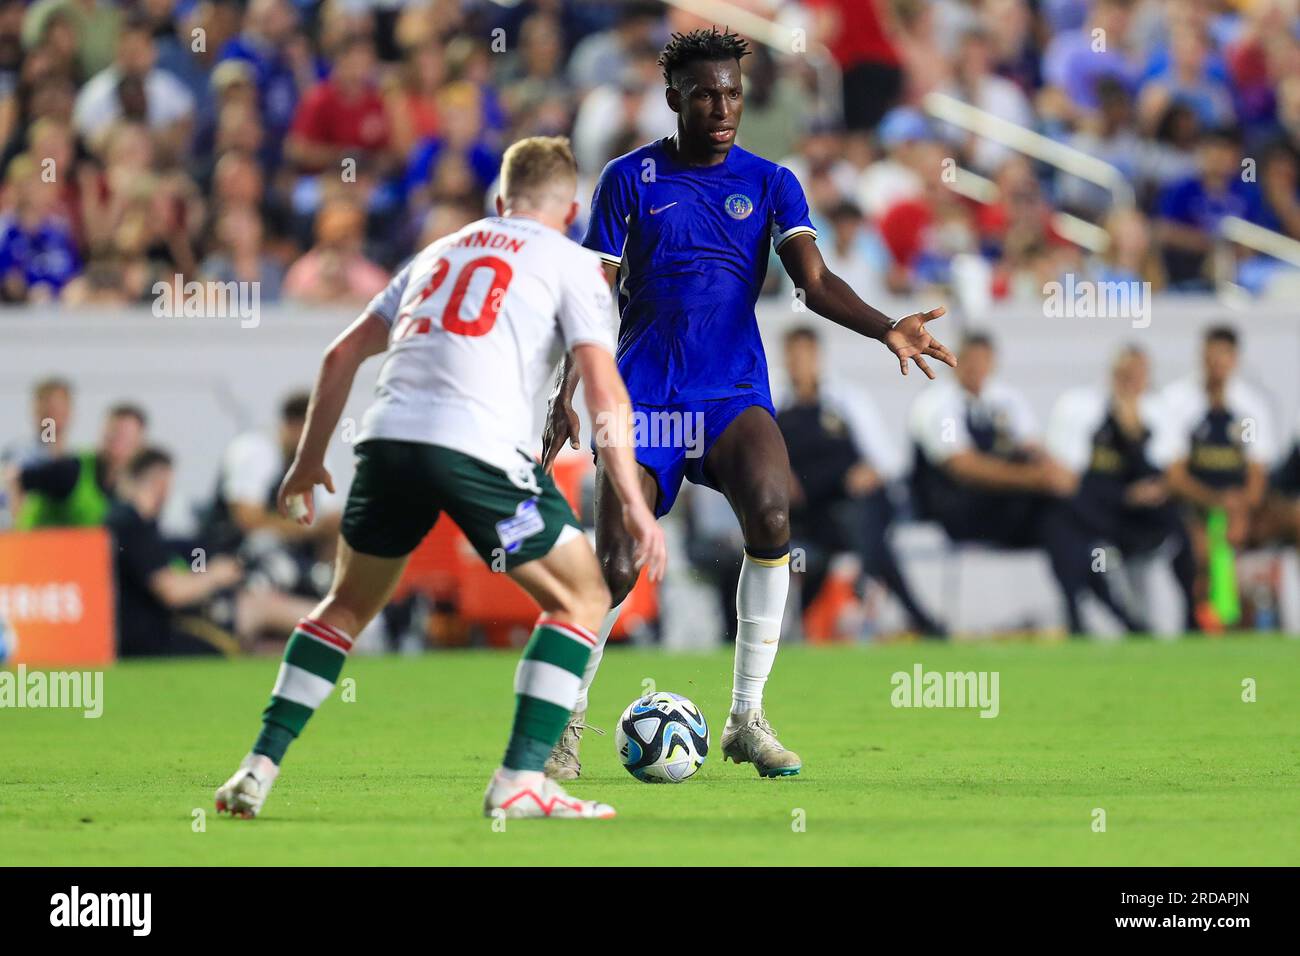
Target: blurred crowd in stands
313, 146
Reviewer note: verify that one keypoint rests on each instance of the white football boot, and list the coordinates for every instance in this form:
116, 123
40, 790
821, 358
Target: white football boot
244, 793
524, 794
749, 738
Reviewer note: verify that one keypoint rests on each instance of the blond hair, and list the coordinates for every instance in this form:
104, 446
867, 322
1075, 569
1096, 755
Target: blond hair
537, 169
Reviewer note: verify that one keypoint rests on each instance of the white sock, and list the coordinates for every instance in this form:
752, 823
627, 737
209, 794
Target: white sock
597, 652
760, 605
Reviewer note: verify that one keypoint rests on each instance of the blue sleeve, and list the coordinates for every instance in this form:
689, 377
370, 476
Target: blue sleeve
235, 50
420, 166
1175, 201
789, 209
610, 207
484, 163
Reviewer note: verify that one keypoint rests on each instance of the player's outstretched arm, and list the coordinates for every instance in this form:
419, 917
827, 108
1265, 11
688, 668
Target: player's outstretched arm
611, 414
365, 337
830, 296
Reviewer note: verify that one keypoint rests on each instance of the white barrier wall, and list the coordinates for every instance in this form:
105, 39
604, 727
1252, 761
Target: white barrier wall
203, 381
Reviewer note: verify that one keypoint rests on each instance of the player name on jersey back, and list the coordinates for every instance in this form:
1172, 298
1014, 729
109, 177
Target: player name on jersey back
474, 319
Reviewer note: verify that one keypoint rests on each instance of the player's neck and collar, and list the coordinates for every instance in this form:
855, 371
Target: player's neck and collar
509, 214
680, 151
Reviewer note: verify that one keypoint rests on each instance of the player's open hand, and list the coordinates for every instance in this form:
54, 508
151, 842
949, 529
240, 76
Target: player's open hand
909, 340
651, 549
561, 425
296, 499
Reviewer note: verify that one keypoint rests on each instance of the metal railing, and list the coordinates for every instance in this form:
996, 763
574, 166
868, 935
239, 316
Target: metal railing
1035, 145
1082, 233
972, 119
1275, 244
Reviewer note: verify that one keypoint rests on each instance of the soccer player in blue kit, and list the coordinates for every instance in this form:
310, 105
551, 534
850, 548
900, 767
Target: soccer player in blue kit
683, 226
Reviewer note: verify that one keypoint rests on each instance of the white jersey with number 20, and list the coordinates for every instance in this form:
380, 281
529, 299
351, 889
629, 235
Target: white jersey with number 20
474, 319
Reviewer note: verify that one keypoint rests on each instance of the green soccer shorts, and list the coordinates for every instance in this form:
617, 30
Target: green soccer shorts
401, 487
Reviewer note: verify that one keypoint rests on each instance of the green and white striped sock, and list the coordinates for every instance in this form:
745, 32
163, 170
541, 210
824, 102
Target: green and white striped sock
546, 687
312, 663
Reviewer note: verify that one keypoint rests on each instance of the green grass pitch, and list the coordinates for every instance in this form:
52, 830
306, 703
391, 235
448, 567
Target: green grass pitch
1156, 735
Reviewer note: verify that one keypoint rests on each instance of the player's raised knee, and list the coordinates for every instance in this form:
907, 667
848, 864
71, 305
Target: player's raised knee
767, 525
620, 573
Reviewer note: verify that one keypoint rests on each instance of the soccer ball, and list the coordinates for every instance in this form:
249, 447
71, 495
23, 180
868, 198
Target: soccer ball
662, 738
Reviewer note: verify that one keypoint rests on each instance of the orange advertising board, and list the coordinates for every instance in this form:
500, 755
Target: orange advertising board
56, 597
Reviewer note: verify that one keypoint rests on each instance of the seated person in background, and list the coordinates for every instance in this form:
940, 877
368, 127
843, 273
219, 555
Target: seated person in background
1217, 450
76, 489
153, 587
1190, 210
163, 601
51, 418
840, 456
1105, 436
291, 559
979, 473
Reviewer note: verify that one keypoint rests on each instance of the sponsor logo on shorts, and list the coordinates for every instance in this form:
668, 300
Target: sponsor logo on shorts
521, 526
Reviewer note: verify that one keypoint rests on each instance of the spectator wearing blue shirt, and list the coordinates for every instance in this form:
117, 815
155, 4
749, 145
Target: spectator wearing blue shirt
1188, 77
1076, 60
460, 141
38, 254
1190, 210
265, 45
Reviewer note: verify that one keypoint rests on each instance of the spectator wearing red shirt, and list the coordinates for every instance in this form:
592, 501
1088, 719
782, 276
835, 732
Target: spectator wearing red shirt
858, 36
343, 117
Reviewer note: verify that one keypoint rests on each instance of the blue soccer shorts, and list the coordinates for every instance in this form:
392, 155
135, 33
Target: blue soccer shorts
672, 441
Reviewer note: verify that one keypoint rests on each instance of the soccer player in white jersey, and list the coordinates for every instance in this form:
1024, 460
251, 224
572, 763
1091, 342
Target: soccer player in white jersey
468, 327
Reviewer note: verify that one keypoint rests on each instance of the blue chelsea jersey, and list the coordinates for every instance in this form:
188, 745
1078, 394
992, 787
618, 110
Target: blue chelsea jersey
692, 243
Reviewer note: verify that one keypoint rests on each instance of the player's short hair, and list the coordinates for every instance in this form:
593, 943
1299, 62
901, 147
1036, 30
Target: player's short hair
709, 45
537, 165
1221, 333
129, 410
976, 340
802, 333
145, 460
51, 384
